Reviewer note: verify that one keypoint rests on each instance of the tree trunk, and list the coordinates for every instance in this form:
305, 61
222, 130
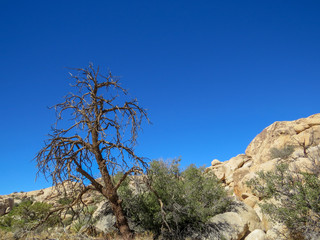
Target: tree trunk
110, 192
121, 220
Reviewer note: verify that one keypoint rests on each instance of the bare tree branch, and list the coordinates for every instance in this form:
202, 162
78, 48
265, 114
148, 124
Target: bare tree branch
103, 132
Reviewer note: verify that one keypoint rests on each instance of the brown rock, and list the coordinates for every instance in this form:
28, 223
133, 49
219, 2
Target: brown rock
6, 205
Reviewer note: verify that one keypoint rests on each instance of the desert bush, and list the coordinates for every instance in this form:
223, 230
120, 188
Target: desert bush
282, 153
84, 219
291, 198
173, 202
26, 215
78, 225
65, 200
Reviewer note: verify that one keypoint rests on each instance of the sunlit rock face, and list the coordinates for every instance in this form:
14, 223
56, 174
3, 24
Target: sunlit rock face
279, 134
294, 142
302, 134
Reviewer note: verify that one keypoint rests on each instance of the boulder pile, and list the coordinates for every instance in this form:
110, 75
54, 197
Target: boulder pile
303, 135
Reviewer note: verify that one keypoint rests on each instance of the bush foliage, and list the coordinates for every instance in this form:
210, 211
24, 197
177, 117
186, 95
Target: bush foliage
26, 215
174, 202
282, 153
292, 198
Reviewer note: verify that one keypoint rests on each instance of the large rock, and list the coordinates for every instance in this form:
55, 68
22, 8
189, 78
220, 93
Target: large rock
257, 234
228, 226
238, 161
248, 216
105, 220
224, 171
234, 225
6, 205
279, 134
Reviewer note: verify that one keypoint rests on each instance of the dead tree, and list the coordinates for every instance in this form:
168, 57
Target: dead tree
101, 134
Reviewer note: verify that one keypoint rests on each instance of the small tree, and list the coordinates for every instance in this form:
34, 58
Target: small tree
102, 132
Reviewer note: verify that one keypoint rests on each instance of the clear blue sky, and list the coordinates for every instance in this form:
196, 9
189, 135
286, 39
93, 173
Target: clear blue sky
213, 74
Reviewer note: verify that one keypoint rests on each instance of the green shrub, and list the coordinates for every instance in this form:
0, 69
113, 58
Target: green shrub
84, 219
89, 210
78, 225
26, 215
188, 198
282, 153
65, 201
6, 222
295, 200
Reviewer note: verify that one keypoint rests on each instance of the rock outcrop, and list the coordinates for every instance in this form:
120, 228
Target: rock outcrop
302, 136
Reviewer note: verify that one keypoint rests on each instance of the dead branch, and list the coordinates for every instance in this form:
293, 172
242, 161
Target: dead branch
104, 130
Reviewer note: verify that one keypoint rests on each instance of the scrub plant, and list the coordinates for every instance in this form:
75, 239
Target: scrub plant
173, 202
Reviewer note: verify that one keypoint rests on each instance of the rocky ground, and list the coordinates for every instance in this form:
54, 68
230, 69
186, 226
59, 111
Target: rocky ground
245, 221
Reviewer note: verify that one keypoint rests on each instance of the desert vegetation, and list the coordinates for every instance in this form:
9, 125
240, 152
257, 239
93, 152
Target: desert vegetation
163, 202
291, 196
175, 203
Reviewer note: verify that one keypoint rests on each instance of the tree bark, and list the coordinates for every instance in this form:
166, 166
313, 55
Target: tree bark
121, 220
110, 192
116, 204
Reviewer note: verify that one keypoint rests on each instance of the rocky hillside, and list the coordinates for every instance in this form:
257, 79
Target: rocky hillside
303, 134
246, 221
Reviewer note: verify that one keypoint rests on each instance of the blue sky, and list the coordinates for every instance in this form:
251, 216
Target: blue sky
213, 74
